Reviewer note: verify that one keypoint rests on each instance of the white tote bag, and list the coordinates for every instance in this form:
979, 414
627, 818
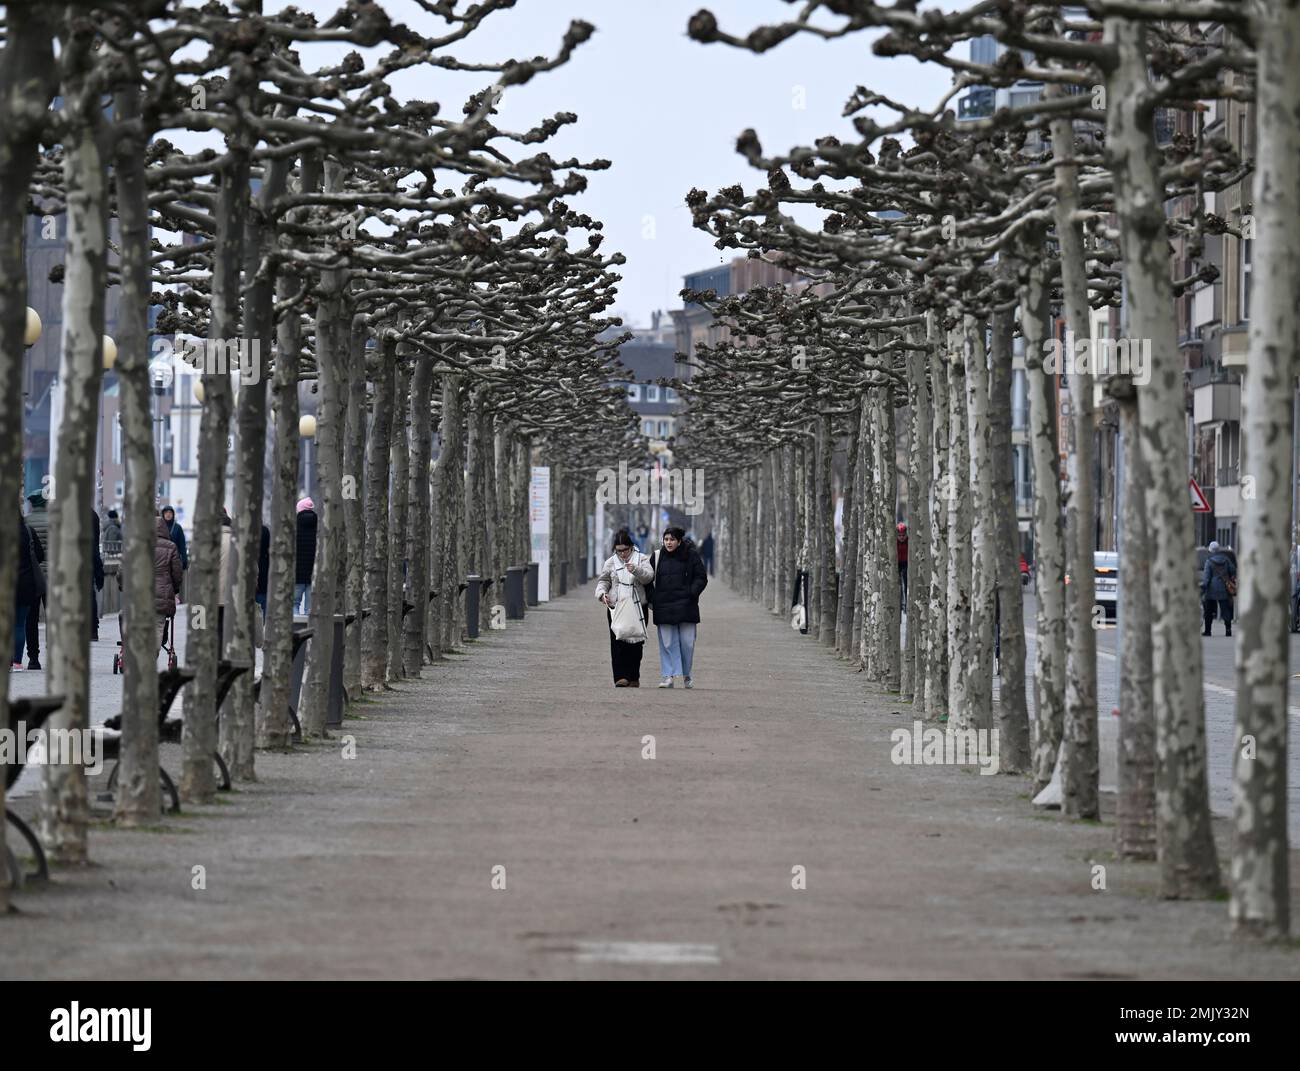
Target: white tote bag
627, 622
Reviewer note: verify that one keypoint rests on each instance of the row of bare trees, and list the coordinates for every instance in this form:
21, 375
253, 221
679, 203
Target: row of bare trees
411, 276
945, 249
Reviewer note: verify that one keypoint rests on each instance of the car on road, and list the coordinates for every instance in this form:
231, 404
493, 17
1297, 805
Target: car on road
1106, 581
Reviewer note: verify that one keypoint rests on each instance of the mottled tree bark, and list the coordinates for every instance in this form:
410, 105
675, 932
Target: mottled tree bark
936, 684
138, 799
417, 540
1189, 864
1014, 753
959, 548
400, 465
27, 80
354, 497
1261, 896
983, 580
1049, 536
65, 805
374, 632
1079, 757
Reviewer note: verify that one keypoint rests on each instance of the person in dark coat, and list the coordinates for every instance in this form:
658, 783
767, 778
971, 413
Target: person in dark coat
706, 553
167, 575
177, 535
38, 525
96, 575
305, 558
680, 578
263, 569
27, 588
113, 534
1215, 594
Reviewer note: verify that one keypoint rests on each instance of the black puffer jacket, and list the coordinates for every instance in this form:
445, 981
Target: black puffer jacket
27, 589
680, 577
306, 556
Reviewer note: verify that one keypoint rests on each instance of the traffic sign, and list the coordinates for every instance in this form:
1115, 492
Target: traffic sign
1199, 504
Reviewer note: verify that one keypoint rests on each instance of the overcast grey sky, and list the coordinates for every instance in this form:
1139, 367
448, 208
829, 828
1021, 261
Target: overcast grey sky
664, 109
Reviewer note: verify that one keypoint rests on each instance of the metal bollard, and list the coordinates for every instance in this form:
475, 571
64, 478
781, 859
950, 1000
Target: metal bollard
515, 592
530, 585
582, 571
564, 577
471, 606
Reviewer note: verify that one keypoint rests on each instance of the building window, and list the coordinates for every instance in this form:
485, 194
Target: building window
634, 392
117, 438
651, 393
649, 427
663, 429
670, 395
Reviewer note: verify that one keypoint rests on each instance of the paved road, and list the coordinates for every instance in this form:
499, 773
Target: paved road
522, 756
1219, 675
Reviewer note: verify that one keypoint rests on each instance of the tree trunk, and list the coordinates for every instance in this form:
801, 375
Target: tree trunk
1189, 865
400, 464
65, 804
417, 544
138, 799
273, 726
1049, 536
1014, 754
1079, 758
27, 80
936, 673
959, 548
1260, 905
374, 631
354, 498
238, 726
1135, 810
983, 582
203, 640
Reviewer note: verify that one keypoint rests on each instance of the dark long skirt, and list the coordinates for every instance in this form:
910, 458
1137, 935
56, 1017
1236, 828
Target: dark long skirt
625, 658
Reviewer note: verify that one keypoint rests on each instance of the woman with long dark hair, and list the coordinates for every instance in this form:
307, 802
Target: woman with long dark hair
621, 587
679, 580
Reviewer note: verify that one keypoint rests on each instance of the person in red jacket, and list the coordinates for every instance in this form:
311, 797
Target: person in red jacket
902, 564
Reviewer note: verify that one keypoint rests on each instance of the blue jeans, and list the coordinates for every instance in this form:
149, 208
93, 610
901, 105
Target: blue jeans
676, 649
20, 629
302, 597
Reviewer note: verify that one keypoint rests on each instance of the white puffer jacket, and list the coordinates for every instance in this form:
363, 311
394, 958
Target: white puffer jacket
616, 578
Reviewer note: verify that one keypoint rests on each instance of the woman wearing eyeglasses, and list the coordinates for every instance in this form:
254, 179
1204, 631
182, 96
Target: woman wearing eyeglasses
622, 579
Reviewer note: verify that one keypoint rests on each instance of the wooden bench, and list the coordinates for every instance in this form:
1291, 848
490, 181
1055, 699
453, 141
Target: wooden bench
30, 713
170, 683
300, 637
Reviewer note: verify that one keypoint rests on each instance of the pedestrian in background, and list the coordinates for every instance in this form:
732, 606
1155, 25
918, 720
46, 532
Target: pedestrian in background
1218, 588
27, 589
96, 574
263, 569
902, 563
38, 525
706, 553
305, 556
177, 535
623, 578
168, 572
679, 580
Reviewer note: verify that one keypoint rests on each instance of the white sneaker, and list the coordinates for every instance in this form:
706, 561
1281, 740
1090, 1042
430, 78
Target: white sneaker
667, 682
686, 682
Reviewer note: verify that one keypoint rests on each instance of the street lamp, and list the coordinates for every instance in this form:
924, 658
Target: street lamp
32, 332
110, 353
307, 431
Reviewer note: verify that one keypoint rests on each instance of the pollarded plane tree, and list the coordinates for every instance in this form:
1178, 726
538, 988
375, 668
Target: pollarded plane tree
284, 262
1143, 61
